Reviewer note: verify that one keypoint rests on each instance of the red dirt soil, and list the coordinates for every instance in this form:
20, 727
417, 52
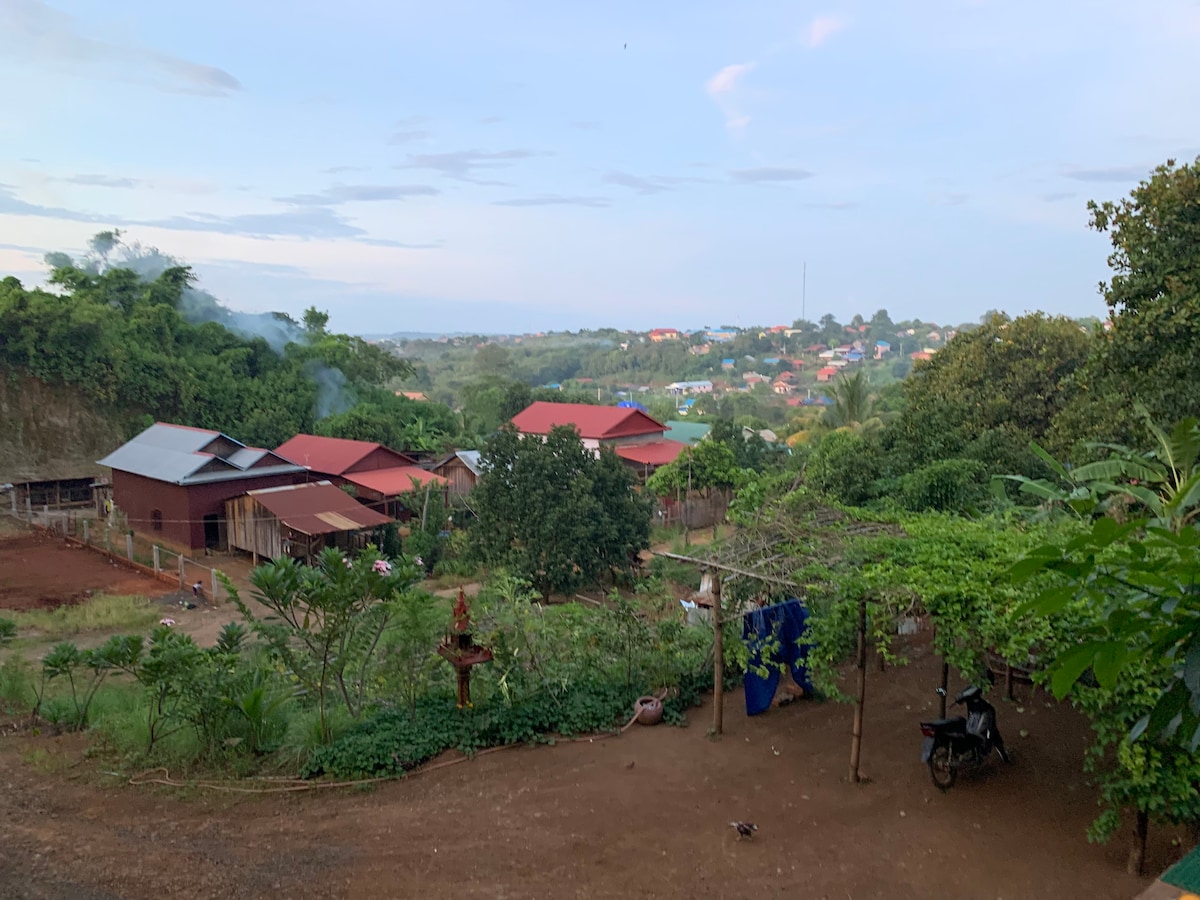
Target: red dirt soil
642, 815
39, 570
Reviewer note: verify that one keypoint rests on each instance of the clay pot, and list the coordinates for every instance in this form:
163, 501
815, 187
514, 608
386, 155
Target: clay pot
649, 710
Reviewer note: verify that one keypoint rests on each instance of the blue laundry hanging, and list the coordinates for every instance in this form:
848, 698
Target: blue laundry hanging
775, 632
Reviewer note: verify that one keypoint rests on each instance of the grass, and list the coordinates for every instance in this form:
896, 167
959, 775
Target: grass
103, 612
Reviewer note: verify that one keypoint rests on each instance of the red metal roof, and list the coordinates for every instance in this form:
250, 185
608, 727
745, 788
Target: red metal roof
655, 453
597, 423
331, 456
317, 508
393, 482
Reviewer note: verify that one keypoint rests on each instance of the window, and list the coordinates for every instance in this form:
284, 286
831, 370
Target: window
156, 520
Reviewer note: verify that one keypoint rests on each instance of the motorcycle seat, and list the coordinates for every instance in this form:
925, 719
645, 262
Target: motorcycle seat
957, 721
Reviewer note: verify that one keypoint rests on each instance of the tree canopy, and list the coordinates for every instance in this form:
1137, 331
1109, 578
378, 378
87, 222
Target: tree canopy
555, 513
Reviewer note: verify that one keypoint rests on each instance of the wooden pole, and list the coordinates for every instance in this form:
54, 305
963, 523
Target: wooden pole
856, 740
1137, 850
718, 658
1008, 680
945, 687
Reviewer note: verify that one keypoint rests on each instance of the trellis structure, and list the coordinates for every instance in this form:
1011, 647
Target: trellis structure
778, 551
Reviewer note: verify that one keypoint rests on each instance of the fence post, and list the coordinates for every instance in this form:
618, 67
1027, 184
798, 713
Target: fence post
157, 567
129, 546
181, 572
13, 498
28, 508
87, 539
213, 595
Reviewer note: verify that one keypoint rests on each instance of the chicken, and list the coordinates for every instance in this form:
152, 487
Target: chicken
744, 829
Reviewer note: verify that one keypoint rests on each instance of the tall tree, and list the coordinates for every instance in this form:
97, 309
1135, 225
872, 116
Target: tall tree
554, 512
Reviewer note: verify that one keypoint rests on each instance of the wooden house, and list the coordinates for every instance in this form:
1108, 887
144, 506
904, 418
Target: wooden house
299, 521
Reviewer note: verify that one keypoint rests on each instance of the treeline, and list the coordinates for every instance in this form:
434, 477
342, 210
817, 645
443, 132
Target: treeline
125, 327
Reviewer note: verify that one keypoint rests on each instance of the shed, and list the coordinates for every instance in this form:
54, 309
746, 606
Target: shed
461, 469
298, 521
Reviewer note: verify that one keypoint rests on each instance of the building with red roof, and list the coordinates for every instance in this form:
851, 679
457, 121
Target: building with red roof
827, 373
664, 334
299, 521
377, 474
635, 436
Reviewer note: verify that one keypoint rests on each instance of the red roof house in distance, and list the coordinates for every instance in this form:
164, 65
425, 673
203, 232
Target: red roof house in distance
664, 334
377, 473
636, 437
172, 481
826, 374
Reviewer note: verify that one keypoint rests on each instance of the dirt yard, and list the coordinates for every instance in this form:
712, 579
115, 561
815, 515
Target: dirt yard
642, 815
38, 570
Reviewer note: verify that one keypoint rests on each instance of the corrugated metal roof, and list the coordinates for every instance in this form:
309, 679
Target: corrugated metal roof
472, 459
395, 481
317, 508
592, 422
177, 454
655, 453
332, 456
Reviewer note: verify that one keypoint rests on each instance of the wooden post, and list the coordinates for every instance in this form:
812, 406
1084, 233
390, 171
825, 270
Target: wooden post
129, 546
856, 740
1137, 851
157, 567
1008, 680
718, 657
945, 687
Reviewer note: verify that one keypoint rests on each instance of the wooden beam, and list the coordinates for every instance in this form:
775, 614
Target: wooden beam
718, 660
709, 564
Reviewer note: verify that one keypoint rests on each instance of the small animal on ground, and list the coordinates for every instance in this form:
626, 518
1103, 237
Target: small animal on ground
744, 829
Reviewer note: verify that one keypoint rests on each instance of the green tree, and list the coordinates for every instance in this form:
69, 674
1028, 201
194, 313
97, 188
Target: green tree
555, 513
709, 465
853, 405
1153, 350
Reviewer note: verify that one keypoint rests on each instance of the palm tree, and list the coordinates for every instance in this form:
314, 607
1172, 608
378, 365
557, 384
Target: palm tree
853, 406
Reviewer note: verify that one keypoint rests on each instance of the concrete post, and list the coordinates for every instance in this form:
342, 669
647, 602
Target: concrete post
212, 598
87, 537
157, 567
181, 572
28, 508
129, 546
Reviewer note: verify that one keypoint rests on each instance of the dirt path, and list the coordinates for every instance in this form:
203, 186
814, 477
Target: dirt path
643, 815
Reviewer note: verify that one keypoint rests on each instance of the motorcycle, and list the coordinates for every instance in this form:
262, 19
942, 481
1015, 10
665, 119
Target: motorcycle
961, 742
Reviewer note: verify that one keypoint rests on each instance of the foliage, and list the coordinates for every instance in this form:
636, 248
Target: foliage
708, 466
128, 329
555, 512
409, 666
327, 621
8, 631
1010, 374
558, 671
845, 465
1151, 353
948, 485
853, 406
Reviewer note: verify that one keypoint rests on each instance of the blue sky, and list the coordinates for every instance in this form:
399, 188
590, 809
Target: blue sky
501, 166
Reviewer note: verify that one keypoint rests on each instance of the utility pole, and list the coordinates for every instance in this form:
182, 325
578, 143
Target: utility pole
804, 292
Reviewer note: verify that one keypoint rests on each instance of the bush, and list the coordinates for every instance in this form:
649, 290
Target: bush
844, 466
949, 485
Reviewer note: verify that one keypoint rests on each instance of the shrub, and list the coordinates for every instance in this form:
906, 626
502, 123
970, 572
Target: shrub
844, 466
949, 485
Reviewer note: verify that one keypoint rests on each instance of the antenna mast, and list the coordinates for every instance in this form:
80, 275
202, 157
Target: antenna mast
804, 291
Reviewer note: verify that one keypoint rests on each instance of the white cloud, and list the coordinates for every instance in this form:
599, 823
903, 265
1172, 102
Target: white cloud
822, 29
723, 88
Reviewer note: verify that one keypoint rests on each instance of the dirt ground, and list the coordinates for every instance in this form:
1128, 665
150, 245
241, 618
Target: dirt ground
38, 570
645, 814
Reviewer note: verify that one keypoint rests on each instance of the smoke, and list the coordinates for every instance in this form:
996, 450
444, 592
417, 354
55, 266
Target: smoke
107, 251
197, 306
334, 394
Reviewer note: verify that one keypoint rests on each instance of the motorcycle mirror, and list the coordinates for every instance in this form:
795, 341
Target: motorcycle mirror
941, 691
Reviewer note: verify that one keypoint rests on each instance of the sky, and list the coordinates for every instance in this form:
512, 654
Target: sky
512, 167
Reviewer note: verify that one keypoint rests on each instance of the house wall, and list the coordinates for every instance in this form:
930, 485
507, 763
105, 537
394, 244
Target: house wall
460, 478
380, 458
138, 497
182, 509
252, 528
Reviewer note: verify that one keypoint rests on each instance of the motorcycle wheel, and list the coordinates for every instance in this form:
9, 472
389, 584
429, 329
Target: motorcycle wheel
942, 769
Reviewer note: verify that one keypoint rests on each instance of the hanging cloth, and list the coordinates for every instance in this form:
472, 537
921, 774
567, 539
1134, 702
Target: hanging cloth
776, 637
